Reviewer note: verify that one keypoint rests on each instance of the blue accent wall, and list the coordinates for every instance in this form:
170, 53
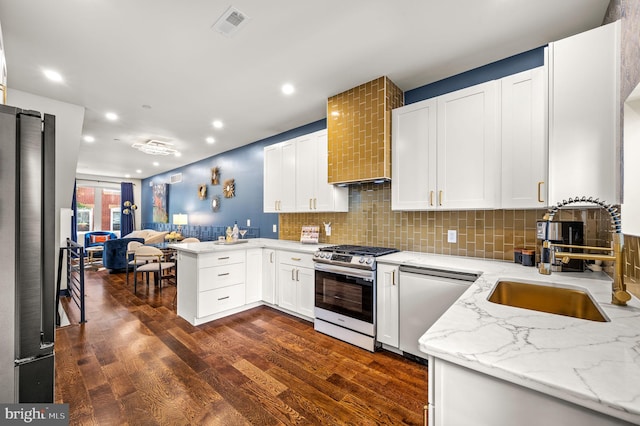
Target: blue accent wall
244, 165
493, 71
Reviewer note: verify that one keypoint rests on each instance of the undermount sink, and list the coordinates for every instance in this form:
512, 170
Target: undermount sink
568, 301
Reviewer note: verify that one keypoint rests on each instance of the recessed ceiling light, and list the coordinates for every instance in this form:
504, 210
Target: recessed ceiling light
53, 75
210, 140
89, 138
155, 163
217, 124
127, 175
111, 116
288, 89
138, 171
177, 154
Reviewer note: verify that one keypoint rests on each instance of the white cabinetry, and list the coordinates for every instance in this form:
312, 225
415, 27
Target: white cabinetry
253, 280
313, 193
388, 313
584, 114
295, 177
269, 271
460, 396
210, 284
279, 177
524, 140
296, 282
451, 143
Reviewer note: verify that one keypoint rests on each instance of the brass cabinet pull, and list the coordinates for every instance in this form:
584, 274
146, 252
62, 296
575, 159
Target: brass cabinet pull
310, 206
315, 204
540, 200
393, 277
297, 259
431, 198
440, 198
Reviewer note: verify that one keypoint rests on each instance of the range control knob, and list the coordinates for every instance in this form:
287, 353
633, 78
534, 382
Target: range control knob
361, 260
369, 261
316, 254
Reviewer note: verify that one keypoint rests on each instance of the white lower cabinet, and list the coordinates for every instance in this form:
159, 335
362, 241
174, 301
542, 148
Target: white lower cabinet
387, 306
296, 282
269, 271
461, 396
210, 284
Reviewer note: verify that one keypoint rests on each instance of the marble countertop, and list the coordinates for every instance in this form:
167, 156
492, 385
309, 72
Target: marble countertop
592, 364
214, 246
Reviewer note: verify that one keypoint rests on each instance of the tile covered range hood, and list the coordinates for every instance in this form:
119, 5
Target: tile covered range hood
359, 132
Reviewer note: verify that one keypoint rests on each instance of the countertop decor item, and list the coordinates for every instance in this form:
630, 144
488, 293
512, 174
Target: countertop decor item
229, 188
202, 191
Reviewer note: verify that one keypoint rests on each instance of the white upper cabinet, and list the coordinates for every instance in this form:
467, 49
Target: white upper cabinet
279, 177
584, 115
313, 193
524, 140
413, 153
446, 153
468, 150
295, 177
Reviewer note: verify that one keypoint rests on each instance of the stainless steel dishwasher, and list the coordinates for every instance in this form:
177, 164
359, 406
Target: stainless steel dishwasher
425, 294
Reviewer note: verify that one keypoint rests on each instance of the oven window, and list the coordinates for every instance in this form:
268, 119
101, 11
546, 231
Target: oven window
345, 295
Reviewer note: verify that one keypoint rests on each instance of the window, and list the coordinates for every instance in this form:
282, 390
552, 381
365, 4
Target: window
115, 219
98, 208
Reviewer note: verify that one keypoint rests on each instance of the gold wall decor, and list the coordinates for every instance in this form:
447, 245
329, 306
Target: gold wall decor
229, 188
215, 176
202, 191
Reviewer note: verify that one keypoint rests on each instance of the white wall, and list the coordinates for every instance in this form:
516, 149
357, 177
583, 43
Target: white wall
69, 119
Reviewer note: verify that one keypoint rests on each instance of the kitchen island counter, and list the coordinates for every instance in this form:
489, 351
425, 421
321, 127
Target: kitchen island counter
591, 364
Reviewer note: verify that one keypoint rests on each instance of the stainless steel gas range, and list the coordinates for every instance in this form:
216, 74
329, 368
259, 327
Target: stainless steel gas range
345, 293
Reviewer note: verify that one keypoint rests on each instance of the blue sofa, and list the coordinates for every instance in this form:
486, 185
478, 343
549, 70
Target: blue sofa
114, 257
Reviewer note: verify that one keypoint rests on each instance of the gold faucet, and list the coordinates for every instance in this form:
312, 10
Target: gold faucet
619, 294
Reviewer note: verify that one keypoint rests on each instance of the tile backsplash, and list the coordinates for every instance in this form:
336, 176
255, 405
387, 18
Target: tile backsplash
489, 234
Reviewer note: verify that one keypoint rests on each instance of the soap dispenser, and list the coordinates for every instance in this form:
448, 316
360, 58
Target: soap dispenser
236, 232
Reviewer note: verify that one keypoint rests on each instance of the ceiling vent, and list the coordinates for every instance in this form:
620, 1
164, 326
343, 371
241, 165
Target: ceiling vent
155, 147
230, 22
177, 178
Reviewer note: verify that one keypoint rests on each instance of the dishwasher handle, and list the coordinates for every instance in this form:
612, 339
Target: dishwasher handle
442, 273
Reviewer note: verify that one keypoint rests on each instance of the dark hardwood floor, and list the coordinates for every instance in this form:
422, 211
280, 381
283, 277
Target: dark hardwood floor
136, 362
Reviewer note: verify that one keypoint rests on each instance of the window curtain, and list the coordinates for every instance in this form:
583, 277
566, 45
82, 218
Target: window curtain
127, 216
74, 217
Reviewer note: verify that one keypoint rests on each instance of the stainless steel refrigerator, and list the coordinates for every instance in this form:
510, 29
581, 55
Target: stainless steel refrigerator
27, 255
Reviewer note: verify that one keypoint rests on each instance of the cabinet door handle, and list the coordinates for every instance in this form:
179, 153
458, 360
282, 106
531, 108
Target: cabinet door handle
223, 258
223, 274
293, 274
315, 204
431, 198
297, 274
297, 259
271, 257
540, 200
222, 298
393, 277
440, 197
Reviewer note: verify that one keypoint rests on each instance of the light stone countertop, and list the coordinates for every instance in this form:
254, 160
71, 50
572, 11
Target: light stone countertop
592, 364
214, 246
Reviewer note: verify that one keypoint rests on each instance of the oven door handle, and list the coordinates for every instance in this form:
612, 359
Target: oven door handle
350, 272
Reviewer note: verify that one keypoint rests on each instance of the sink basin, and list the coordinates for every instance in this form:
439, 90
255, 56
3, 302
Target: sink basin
568, 301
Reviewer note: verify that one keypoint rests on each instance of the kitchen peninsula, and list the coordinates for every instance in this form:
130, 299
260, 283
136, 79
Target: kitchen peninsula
505, 364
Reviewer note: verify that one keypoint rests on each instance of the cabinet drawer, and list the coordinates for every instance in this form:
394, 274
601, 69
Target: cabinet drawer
221, 276
221, 299
304, 260
223, 258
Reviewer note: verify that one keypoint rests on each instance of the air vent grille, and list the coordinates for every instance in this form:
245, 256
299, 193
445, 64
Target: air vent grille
176, 178
230, 22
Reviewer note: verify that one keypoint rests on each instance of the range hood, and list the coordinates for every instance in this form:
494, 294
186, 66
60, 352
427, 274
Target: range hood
359, 132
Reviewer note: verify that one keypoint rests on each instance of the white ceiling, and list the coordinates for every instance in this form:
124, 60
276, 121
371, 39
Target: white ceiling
117, 55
